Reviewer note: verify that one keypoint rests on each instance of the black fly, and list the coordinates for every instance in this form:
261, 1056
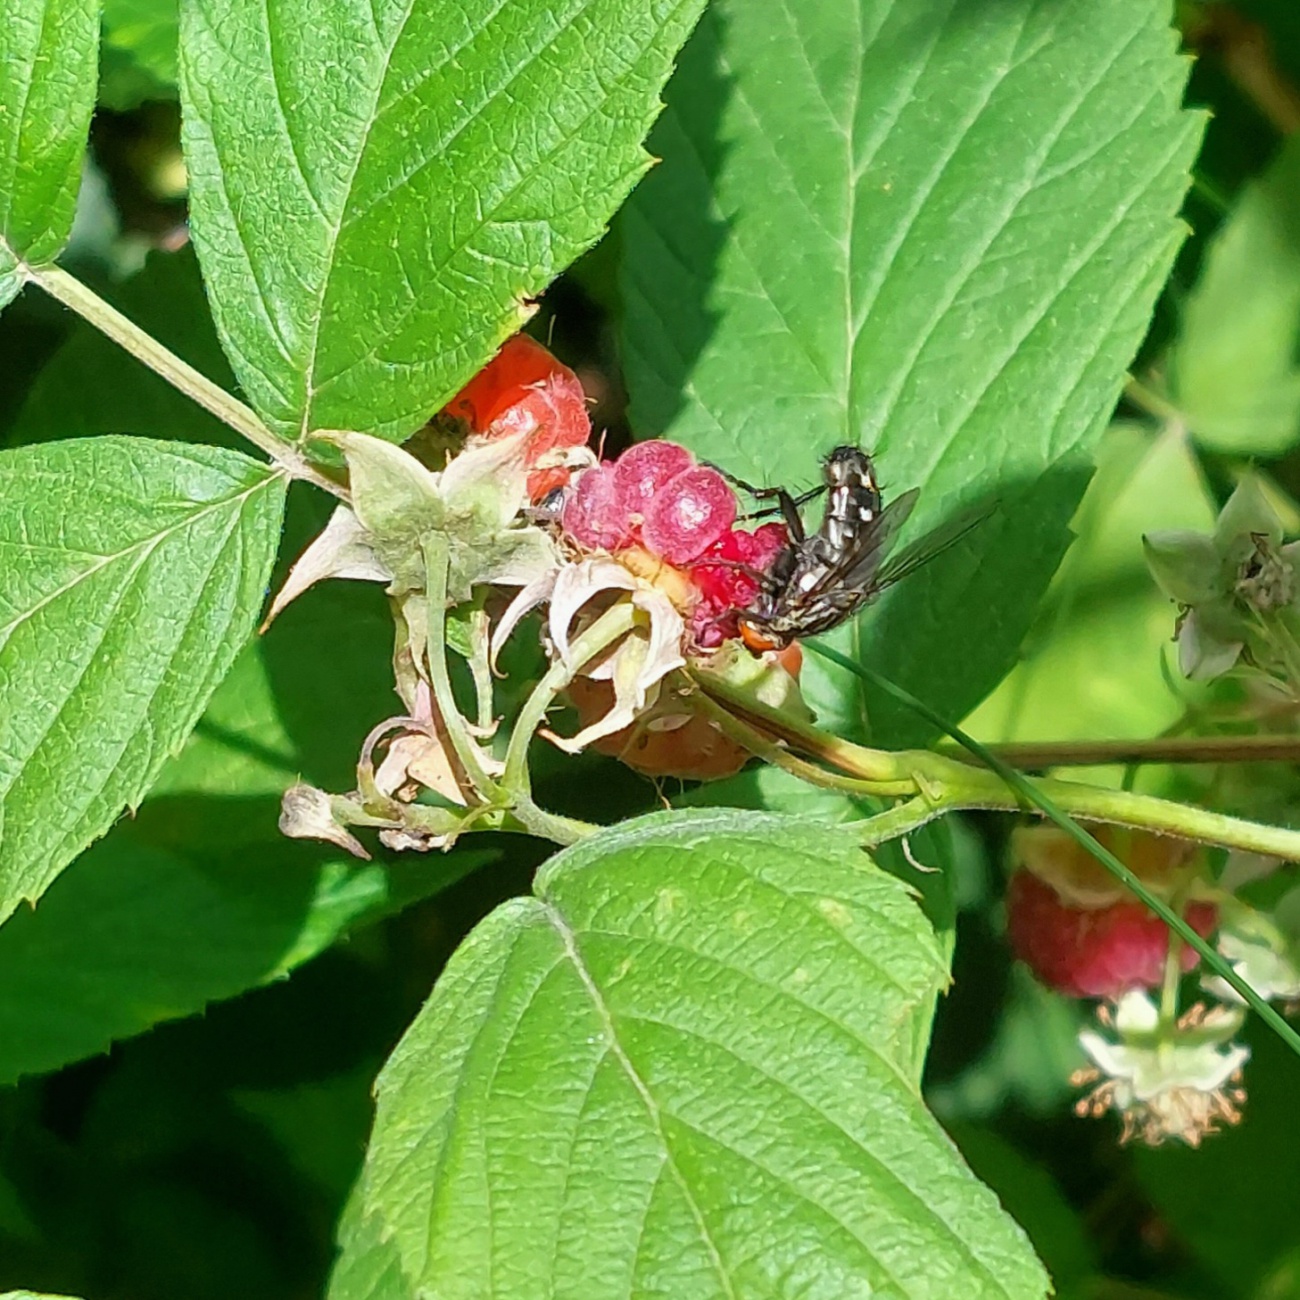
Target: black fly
820, 580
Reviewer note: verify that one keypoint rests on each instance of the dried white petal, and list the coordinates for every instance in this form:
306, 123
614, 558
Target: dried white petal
575, 585
340, 550
306, 814
530, 596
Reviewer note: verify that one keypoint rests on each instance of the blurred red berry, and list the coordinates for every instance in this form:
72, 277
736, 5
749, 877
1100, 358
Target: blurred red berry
1097, 952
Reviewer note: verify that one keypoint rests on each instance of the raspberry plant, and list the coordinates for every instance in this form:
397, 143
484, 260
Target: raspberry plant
299, 533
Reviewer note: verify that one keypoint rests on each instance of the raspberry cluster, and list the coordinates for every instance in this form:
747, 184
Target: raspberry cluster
657, 499
654, 507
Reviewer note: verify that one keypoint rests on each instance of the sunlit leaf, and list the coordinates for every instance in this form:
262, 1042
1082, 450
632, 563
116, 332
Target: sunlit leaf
688, 1066
131, 574
936, 230
378, 191
48, 55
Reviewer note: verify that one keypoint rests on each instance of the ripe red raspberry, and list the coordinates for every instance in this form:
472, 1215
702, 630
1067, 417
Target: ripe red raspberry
644, 468
669, 521
524, 389
1097, 952
593, 515
726, 576
687, 514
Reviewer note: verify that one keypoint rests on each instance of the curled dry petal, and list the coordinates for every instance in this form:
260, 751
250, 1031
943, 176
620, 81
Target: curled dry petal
307, 814
641, 660
574, 587
341, 550
532, 594
420, 759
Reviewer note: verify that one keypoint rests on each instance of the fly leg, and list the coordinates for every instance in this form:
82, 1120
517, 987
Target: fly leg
787, 505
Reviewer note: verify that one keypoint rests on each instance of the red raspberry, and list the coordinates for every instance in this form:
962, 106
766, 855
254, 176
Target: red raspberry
687, 514
524, 389
593, 514
1097, 952
727, 588
644, 468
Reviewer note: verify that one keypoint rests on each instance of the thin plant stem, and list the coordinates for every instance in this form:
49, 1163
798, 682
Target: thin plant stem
1035, 794
437, 562
949, 784
548, 825
763, 746
886, 773
614, 623
68, 290
1153, 403
481, 670
1037, 755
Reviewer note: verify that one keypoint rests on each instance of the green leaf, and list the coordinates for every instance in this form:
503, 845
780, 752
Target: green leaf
933, 229
48, 52
378, 191
32, 1295
148, 31
693, 1004
131, 573
134, 934
1232, 369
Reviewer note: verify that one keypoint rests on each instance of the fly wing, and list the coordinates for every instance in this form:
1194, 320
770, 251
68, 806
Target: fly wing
924, 549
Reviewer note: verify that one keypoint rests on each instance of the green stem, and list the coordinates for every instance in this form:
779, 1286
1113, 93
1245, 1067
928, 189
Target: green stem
548, 825
180, 374
481, 670
1037, 755
763, 746
898, 821
1153, 403
949, 784
437, 563
1035, 793
886, 773
1097, 803
614, 623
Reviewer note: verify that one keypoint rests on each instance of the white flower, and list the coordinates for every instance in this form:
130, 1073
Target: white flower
1165, 1080
635, 666
1269, 969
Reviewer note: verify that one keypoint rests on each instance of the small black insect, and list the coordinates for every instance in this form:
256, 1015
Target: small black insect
821, 579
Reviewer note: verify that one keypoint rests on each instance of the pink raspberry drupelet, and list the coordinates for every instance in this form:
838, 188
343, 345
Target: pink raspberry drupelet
688, 514
643, 469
